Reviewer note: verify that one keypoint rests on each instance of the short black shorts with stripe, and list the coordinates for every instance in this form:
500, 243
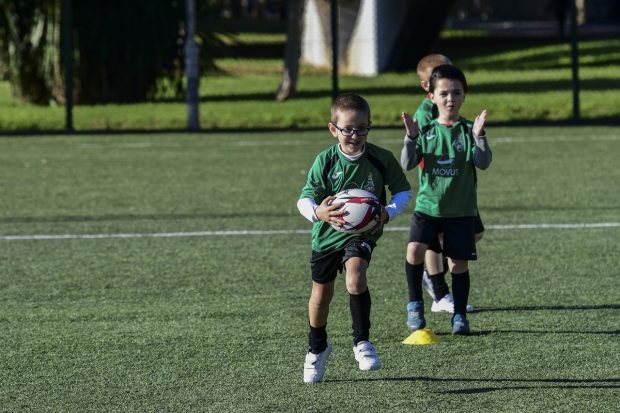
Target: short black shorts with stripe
325, 266
458, 234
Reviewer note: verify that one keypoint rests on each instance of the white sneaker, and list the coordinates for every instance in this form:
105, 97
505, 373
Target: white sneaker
446, 305
366, 356
427, 284
314, 365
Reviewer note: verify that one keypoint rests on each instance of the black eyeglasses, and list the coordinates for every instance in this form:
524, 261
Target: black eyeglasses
350, 131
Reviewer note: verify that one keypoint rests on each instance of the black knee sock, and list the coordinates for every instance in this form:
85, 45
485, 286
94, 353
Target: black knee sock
317, 339
360, 315
414, 280
460, 291
440, 287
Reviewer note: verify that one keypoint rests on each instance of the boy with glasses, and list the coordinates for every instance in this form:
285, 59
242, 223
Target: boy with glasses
352, 163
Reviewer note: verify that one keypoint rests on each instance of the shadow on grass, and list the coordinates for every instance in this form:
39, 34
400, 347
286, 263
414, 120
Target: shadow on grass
489, 332
492, 389
610, 383
540, 52
251, 130
550, 307
546, 61
534, 86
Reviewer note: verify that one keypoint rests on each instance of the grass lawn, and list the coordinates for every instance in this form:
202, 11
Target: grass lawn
524, 81
169, 272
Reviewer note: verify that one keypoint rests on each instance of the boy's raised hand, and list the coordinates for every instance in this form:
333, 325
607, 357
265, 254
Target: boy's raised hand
410, 124
479, 124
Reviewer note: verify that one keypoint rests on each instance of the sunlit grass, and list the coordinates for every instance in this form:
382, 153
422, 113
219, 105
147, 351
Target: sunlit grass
218, 323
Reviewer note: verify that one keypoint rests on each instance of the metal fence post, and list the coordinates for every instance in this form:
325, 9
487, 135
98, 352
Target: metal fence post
67, 54
191, 67
574, 59
334, 26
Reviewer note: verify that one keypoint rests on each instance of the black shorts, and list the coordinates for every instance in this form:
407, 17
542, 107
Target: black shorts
325, 266
435, 245
478, 226
459, 242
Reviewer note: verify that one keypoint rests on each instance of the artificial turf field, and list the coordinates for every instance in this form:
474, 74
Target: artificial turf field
170, 273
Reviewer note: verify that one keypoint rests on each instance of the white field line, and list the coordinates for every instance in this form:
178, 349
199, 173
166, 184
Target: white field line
379, 140
224, 233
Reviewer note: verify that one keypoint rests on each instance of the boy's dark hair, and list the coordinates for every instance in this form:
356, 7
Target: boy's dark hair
349, 101
447, 72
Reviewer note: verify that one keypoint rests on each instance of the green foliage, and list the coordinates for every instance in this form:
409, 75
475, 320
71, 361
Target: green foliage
124, 47
123, 50
218, 323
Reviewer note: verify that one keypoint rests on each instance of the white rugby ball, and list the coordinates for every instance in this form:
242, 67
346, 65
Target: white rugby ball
361, 210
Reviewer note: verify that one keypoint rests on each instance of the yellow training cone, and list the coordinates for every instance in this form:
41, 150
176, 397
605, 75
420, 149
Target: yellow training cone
422, 337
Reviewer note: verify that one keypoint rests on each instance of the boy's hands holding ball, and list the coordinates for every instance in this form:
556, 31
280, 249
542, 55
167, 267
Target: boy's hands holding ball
329, 212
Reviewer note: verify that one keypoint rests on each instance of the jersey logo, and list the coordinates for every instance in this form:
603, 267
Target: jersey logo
369, 185
445, 162
429, 137
445, 168
335, 175
459, 145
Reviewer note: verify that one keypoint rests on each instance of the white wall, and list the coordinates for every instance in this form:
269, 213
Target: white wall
373, 34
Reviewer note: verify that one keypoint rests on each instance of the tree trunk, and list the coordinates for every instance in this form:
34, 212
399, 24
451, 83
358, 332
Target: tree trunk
292, 50
32, 44
424, 21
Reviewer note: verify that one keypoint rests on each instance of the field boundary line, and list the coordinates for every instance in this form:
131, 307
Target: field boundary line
53, 237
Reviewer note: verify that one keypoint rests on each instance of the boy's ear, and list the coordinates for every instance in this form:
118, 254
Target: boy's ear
332, 129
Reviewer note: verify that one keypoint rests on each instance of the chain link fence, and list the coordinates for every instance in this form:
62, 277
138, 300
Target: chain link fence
524, 63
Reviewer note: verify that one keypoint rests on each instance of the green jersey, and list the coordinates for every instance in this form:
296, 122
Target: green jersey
448, 156
333, 172
426, 112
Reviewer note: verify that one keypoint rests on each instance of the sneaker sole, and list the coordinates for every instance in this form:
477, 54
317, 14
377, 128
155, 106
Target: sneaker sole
370, 368
469, 309
416, 328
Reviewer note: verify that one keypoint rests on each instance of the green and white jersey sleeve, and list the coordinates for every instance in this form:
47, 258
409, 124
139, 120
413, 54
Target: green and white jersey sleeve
447, 172
332, 172
426, 112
